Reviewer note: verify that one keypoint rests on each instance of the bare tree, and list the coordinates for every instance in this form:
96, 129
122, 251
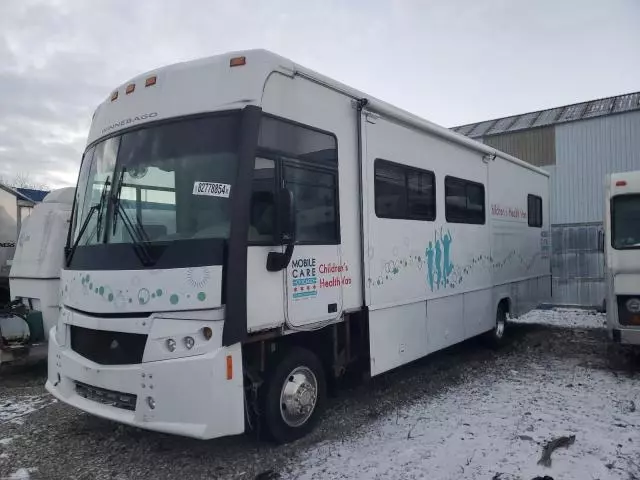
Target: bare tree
23, 180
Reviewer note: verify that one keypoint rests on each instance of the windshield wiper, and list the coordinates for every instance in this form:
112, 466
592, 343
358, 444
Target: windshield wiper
139, 237
98, 207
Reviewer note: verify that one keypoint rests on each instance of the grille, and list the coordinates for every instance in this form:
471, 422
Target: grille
126, 401
108, 348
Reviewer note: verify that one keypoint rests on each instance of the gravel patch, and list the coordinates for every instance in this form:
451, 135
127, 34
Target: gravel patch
402, 416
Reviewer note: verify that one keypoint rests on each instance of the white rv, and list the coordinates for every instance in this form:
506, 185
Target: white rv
246, 229
34, 279
622, 256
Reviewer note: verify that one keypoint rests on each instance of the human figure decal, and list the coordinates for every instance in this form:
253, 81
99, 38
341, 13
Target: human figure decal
439, 260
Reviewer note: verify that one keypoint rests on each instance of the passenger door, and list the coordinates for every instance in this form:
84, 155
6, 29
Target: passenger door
302, 162
315, 274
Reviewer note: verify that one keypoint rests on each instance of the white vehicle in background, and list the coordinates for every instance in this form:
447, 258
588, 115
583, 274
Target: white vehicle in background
246, 229
34, 279
622, 256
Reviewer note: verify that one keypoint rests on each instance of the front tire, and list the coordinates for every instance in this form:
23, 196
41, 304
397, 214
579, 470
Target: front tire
295, 396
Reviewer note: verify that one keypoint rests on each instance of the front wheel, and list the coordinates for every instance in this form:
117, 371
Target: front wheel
295, 396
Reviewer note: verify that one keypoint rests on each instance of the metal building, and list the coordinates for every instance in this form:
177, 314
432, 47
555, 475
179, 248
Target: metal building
577, 144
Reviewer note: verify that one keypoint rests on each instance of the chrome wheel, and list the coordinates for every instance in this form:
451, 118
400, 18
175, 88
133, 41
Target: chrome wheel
298, 396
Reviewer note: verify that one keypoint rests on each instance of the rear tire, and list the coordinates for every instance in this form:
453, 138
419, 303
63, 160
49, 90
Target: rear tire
294, 396
496, 337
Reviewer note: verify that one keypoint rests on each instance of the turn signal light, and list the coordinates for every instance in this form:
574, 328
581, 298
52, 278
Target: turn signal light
130, 88
229, 367
114, 96
621, 183
149, 82
238, 61
207, 333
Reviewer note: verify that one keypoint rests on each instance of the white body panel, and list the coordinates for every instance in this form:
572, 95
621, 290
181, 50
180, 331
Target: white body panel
386, 261
8, 231
622, 265
39, 256
192, 395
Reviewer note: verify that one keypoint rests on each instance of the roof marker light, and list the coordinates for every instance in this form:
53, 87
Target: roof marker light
130, 88
238, 61
621, 183
114, 96
151, 81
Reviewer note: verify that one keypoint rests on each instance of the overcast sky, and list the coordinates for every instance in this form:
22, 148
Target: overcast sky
450, 61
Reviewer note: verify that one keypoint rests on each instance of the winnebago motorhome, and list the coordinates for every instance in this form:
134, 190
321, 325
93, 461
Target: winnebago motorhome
245, 229
622, 256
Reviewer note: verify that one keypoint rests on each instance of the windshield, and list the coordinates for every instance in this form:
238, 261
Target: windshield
171, 181
625, 219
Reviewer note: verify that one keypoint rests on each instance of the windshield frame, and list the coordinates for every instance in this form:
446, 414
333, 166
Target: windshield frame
616, 245
105, 255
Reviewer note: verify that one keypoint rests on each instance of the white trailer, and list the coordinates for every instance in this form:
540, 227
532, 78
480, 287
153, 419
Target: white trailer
246, 230
34, 279
14, 210
622, 256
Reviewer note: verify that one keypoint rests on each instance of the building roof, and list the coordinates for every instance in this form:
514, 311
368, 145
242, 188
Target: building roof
32, 194
552, 116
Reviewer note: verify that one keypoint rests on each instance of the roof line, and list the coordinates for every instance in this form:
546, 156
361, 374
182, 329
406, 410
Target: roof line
562, 107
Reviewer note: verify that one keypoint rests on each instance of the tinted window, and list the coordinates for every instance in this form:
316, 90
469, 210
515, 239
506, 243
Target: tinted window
307, 164
534, 207
404, 192
314, 194
464, 201
298, 141
625, 221
262, 219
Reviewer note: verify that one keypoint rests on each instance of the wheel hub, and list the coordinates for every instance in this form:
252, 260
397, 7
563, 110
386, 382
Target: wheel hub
298, 397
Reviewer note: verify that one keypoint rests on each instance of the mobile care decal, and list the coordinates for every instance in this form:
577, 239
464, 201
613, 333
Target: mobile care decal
307, 277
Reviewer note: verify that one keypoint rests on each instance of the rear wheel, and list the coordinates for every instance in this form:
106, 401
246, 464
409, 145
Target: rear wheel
295, 395
496, 337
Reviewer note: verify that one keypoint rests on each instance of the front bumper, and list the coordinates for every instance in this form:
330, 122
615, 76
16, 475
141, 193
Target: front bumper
191, 396
625, 336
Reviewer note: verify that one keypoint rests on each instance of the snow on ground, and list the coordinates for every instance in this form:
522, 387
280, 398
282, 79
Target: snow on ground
12, 408
5, 441
564, 317
493, 426
22, 474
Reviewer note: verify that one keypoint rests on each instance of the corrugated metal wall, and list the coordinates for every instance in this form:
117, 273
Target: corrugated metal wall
577, 265
585, 152
536, 146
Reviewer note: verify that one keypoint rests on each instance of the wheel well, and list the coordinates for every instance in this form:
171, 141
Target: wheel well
505, 303
337, 346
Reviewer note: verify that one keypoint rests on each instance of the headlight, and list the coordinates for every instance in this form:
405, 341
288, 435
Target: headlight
171, 344
189, 342
633, 305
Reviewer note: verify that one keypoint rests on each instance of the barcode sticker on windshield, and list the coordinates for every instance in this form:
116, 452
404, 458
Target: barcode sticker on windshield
212, 189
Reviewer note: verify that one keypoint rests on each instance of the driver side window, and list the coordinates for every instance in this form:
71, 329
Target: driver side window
262, 218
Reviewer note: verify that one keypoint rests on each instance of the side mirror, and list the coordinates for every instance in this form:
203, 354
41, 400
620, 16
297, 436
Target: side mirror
287, 215
277, 261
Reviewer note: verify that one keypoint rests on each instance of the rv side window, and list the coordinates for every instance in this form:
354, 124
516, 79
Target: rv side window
403, 192
534, 207
464, 201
